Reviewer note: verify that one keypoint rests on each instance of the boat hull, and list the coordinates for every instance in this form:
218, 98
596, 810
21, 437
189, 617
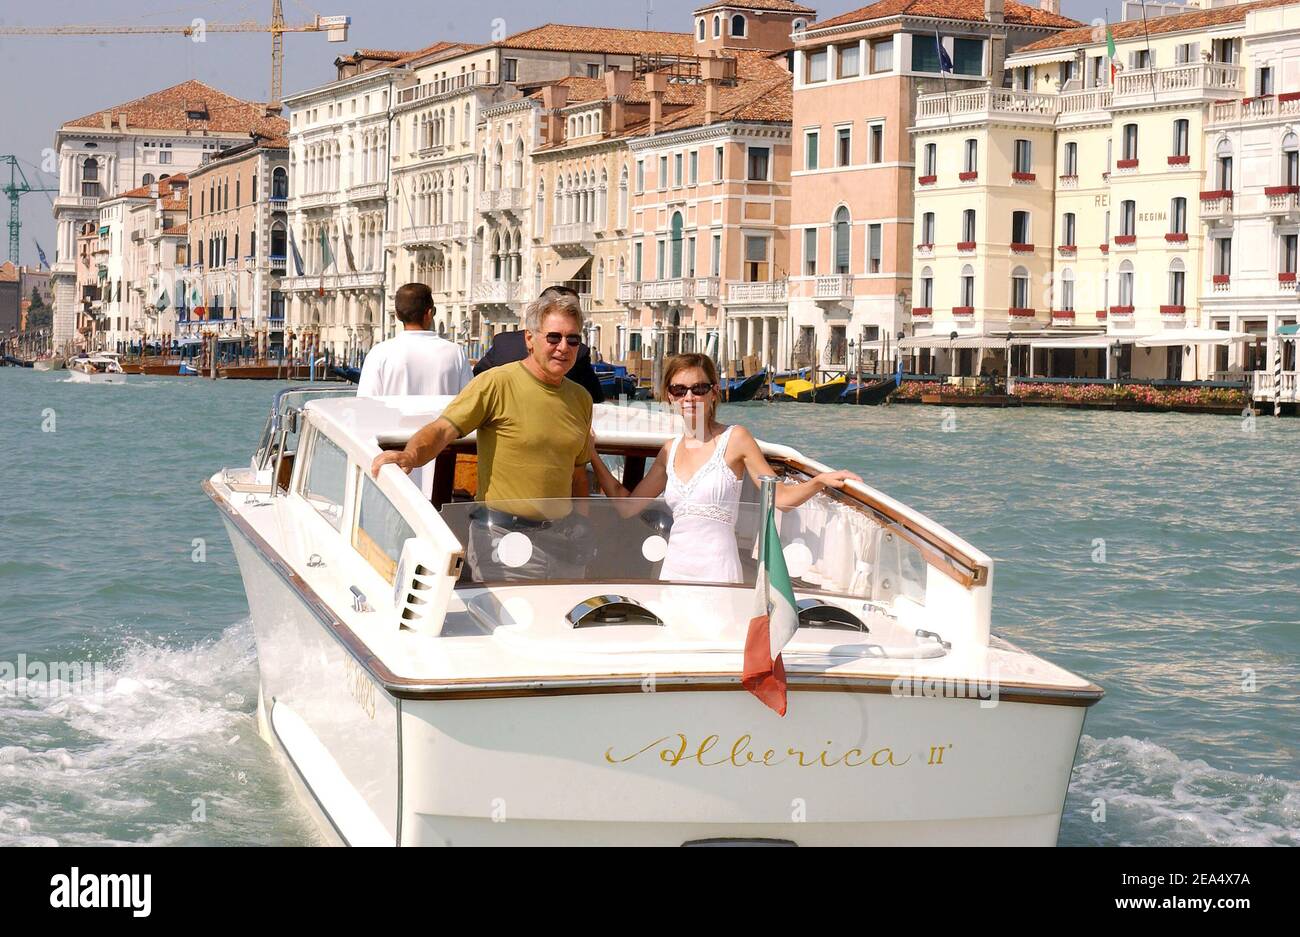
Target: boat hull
877, 392
48, 364
639, 761
81, 377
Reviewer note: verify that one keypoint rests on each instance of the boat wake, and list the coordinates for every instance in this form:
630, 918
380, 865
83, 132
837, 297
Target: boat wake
162, 749
1151, 797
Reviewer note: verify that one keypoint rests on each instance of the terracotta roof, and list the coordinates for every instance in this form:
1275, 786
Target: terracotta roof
387, 54
1193, 19
557, 37
769, 100
169, 109
8, 272
405, 58
165, 187
1017, 14
584, 90
178, 229
779, 6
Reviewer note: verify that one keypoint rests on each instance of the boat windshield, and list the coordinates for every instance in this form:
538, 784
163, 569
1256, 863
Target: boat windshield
828, 547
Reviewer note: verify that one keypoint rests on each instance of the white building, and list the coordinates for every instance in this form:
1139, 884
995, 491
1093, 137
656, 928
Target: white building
127, 146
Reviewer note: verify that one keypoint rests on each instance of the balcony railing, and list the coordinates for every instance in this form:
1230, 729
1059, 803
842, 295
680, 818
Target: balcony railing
368, 279
579, 232
496, 292
834, 287
503, 200
986, 102
368, 190
1262, 386
680, 290
1184, 82
1283, 200
629, 293
1265, 107
317, 200
444, 86
707, 289
1090, 101
739, 294
1216, 206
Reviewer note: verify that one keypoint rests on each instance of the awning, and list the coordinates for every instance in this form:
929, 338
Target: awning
1046, 57
1070, 341
1193, 337
1289, 330
566, 269
961, 341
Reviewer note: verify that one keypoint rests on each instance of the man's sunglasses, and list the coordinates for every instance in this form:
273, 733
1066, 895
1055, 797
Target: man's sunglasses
554, 338
679, 390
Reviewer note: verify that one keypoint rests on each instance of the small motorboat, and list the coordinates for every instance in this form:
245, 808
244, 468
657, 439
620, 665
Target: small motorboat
102, 368
48, 364
188, 370
869, 393
424, 679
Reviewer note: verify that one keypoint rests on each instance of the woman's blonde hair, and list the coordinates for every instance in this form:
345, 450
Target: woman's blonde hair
679, 363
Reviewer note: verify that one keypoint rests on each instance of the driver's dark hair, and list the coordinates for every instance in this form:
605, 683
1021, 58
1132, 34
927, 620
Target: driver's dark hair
412, 302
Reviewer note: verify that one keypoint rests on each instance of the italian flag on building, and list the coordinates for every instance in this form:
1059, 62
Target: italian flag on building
1110, 52
773, 625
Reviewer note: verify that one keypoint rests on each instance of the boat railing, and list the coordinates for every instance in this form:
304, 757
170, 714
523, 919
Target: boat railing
282, 422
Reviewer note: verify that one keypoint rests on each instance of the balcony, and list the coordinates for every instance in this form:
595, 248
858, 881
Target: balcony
451, 231
428, 235
1262, 386
1063, 316
1021, 312
630, 293
1173, 313
922, 312
368, 190
1263, 108
1283, 202
963, 312
578, 235
1068, 181
76, 201
933, 110
708, 290
1197, 81
1286, 281
506, 201
681, 290
497, 292
367, 280
1090, 104
444, 87
316, 200
925, 250
1216, 207
835, 288
1221, 283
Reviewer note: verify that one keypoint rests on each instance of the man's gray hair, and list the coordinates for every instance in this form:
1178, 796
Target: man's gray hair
551, 301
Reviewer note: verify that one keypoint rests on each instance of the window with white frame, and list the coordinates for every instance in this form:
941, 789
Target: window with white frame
1223, 256
842, 236
927, 289
967, 286
1177, 278
1127, 218
875, 248
1067, 229
717, 163
927, 229
1066, 301
1178, 215
811, 148
1024, 156
1287, 262
843, 146
814, 67
1290, 160
1020, 227
968, 226
1126, 284
1181, 137
876, 143
930, 164
715, 256
809, 252
970, 156
756, 258
1070, 160
695, 167
1020, 288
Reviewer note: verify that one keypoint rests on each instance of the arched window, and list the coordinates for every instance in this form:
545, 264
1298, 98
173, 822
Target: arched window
539, 213
798, 25
1177, 282
1223, 166
1066, 300
280, 183
699, 29
843, 238
1126, 284
676, 234
517, 166
967, 287
622, 199
496, 167
147, 179
537, 280
1020, 288
600, 279
926, 299
738, 26
717, 26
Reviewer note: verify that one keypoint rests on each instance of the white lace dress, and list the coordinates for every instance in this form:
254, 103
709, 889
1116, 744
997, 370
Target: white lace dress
702, 546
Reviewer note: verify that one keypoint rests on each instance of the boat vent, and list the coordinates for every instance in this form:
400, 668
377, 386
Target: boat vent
415, 607
814, 613
601, 611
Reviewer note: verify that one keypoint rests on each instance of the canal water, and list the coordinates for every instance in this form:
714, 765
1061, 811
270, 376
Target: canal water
1158, 555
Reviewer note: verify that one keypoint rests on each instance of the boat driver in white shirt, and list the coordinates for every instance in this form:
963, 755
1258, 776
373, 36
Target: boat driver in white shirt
417, 362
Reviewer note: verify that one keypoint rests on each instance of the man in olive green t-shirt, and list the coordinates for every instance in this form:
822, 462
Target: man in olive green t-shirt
532, 428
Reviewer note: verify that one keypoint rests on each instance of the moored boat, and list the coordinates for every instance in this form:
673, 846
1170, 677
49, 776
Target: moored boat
426, 681
869, 393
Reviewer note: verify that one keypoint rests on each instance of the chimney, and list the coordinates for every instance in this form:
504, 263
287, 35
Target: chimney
997, 43
656, 83
712, 70
1050, 6
554, 97
121, 122
618, 82
108, 121
993, 10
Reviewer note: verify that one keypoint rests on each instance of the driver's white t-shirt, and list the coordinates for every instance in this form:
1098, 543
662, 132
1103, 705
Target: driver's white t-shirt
414, 363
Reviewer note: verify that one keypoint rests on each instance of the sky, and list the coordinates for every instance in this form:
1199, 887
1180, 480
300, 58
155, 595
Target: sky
48, 81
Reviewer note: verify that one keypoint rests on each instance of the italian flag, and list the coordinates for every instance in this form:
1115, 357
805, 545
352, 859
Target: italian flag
772, 626
1111, 53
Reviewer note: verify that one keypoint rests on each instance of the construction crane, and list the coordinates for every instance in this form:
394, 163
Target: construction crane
18, 187
334, 27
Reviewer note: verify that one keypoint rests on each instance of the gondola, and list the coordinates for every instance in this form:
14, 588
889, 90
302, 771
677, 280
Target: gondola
869, 393
740, 389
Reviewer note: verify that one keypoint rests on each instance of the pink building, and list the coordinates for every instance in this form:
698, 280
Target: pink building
856, 79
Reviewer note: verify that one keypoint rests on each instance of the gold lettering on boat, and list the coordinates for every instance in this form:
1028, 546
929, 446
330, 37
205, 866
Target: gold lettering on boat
680, 749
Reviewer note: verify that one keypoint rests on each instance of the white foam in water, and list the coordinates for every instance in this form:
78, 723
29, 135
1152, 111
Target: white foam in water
1154, 798
173, 727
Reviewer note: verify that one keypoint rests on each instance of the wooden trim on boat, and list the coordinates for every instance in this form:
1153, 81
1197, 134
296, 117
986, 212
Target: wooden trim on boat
400, 687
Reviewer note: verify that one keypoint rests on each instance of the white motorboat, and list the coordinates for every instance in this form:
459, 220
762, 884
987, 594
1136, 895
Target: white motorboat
100, 368
48, 364
427, 686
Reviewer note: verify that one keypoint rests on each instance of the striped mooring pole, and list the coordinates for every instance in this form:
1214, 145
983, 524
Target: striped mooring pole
1277, 379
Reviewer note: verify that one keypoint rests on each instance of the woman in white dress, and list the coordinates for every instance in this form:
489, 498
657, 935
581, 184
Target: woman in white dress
700, 474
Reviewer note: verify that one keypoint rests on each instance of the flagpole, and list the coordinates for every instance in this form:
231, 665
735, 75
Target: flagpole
1150, 61
943, 75
767, 500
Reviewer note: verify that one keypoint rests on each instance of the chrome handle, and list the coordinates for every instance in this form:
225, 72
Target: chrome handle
314, 560
922, 633
359, 603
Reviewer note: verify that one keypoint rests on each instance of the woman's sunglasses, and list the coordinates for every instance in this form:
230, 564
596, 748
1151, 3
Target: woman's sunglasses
680, 390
